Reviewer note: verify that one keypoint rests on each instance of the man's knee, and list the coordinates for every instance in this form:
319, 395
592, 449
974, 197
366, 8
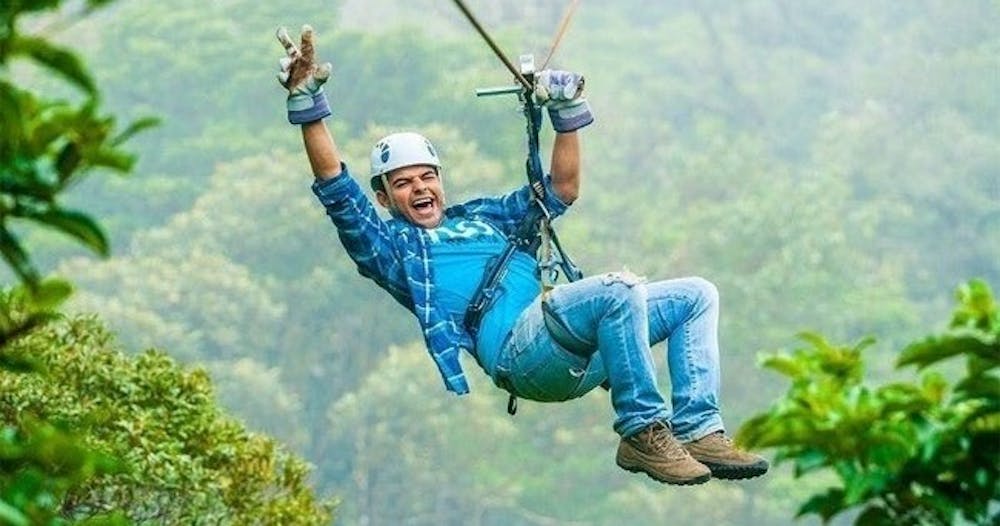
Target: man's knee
705, 290
624, 287
625, 278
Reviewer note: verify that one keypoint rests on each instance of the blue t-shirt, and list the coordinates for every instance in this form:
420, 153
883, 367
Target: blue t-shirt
460, 249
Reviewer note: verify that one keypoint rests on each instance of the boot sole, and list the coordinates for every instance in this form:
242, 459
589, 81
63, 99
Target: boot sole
675, 482
730, 472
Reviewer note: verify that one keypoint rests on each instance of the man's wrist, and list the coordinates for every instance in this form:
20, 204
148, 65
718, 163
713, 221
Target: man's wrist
304, 109
570, 117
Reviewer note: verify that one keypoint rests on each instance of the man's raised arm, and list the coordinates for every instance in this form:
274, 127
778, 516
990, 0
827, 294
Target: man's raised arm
306, 103
565, 168
562, 93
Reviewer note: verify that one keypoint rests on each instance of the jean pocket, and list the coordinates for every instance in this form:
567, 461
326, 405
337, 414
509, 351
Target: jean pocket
546, 373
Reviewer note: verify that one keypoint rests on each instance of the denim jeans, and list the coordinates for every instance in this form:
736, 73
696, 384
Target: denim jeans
619, 316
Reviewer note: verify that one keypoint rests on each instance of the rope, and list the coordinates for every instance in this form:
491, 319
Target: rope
567, 16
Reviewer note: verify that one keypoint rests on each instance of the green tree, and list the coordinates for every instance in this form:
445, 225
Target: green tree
49, 145
916, 453
822, 163
147, 441
46, 146
40, 462
187, 462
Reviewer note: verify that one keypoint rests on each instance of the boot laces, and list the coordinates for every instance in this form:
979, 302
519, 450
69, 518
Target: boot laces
659, 438
719, 441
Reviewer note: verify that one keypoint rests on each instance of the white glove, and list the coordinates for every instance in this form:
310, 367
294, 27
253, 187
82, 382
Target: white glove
562, 93
303, 79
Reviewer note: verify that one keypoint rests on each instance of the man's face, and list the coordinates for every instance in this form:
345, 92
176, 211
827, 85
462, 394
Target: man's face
417, 194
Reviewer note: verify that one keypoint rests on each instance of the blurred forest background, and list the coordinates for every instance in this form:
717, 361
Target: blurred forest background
830, 166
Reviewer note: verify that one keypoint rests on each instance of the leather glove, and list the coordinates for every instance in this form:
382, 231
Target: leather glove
562, 93
303, 79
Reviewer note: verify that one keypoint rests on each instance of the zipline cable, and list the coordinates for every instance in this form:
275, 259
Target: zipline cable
535, 231
503, 58
533, 166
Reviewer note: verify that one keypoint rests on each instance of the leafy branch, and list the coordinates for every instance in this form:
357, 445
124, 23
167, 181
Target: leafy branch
46, 146
905, 453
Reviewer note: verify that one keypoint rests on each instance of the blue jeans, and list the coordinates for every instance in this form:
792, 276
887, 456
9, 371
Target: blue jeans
619, 316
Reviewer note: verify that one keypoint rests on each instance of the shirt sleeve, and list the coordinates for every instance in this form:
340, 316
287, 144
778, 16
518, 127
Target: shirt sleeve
367, 238
508, 210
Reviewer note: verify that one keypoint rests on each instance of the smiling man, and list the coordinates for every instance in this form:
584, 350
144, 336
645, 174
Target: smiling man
549, 347
406, 178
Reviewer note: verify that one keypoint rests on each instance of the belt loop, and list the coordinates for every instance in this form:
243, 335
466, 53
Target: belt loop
512, 405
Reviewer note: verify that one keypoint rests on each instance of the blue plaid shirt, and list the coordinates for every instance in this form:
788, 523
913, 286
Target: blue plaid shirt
394, 253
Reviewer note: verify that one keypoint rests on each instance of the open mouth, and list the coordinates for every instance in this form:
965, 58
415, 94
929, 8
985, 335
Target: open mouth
424, 204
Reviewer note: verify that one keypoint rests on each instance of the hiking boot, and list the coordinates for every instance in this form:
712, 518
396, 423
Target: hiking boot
655, 452
724, 459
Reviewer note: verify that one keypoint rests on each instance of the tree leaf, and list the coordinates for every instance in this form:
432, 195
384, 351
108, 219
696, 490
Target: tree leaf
984, 421
51, 293
980, 386
936, 349
11, 118
874, 516
68, 160
826, 505
784, 364
11, 515
135, 127
55, 58
36, 5
17, 258
817, 340
75, 224
112, 159
977, 308
18, 363
810, 460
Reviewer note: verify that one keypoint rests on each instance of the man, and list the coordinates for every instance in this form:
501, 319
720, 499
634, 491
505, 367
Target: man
546, 347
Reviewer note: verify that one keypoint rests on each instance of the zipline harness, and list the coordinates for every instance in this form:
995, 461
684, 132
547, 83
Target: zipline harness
535, 231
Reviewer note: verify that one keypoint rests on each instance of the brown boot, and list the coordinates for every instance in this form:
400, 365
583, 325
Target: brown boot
724, 459
655, 452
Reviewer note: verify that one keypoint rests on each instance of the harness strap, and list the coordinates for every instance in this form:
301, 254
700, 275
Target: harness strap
526, 238
561, 334
535, 229
534, 232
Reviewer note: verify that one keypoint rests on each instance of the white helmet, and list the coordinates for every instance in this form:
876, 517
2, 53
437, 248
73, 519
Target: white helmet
398, 150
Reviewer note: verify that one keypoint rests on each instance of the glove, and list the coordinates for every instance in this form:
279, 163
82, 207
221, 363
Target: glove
303, 79
561, 92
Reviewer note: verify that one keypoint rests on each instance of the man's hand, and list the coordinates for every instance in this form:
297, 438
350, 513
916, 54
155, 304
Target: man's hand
303, 79
562, 93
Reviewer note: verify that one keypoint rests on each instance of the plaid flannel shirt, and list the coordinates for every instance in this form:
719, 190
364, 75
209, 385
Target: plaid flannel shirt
395, 254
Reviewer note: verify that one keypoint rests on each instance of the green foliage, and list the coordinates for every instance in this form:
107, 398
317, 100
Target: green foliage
49, 145
826, 164
24, 309
920, 452
187, 462
45, 147
41, 464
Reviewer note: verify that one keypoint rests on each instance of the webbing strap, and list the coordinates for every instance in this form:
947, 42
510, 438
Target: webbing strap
487, 289
526, 238
536, 224
545, 256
